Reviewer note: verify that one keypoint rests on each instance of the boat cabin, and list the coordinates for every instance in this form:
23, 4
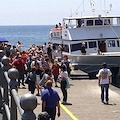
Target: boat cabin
98, 33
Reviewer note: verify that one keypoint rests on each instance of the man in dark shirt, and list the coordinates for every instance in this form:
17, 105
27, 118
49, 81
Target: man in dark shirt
50, 99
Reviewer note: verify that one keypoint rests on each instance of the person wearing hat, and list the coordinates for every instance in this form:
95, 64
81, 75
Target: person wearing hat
104, 78
50, 100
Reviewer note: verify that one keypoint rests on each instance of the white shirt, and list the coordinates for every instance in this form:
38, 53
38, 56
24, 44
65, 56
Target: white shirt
64, 74
104, 73
33, 63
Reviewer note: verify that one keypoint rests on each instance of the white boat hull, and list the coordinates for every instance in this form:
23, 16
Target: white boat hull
92, 63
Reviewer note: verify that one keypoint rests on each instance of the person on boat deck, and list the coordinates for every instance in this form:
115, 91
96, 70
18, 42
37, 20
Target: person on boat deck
83, 51
66, 25
56, 26
60, 25
99, 52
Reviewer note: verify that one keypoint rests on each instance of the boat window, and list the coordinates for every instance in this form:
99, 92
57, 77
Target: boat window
54, 34
118, 43
118, 21
107, 22
89, 22
65, 48
56, 45
92, 44
58, 34
75, 47
111, 43
98, 22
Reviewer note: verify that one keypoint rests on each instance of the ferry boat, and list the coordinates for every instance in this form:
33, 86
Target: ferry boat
98, 33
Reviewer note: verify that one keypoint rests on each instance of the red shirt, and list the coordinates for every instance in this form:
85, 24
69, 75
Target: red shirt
10, 62
55, 69
19, 64
25, 56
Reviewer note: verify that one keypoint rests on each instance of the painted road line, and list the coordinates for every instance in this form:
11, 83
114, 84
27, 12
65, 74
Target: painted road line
68, 112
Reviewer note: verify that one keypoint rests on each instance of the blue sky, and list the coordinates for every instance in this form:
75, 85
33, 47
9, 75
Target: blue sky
45, 12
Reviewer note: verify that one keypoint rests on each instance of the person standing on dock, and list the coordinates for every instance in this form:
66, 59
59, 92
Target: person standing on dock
63, 77
104, 77
67, 62
19, 65
50, 100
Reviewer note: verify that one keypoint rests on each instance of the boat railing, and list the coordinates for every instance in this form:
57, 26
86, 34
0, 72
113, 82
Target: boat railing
9, 97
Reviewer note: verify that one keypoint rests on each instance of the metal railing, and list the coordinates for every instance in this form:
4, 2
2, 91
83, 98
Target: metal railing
10, 103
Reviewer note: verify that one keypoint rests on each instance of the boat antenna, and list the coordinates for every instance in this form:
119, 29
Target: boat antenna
105, 7
78, 7
92, 3
110, 7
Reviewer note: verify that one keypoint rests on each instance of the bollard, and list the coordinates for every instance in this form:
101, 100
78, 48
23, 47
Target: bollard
5, 62
13, 74
28, 103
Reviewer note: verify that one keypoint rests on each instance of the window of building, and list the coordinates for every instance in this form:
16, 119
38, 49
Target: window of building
92, 44
89, 22
111, 43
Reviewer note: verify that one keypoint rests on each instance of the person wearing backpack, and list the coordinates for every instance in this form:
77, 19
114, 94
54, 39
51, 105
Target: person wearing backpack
66, 61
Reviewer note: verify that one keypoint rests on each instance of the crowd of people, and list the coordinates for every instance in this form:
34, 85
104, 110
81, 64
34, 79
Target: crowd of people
39, 68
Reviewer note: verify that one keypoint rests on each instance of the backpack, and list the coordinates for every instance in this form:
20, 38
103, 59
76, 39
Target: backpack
43, 116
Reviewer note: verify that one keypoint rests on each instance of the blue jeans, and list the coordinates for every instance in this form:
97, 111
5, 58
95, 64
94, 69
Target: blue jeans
104, 89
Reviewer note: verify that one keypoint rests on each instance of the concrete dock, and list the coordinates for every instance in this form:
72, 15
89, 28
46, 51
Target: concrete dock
84, 95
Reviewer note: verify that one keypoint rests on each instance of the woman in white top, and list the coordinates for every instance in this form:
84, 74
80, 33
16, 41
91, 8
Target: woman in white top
63, 77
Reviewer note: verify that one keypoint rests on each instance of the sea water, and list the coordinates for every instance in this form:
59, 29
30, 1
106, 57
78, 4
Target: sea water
28, 35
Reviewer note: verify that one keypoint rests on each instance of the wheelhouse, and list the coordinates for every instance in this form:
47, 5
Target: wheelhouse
101, 32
